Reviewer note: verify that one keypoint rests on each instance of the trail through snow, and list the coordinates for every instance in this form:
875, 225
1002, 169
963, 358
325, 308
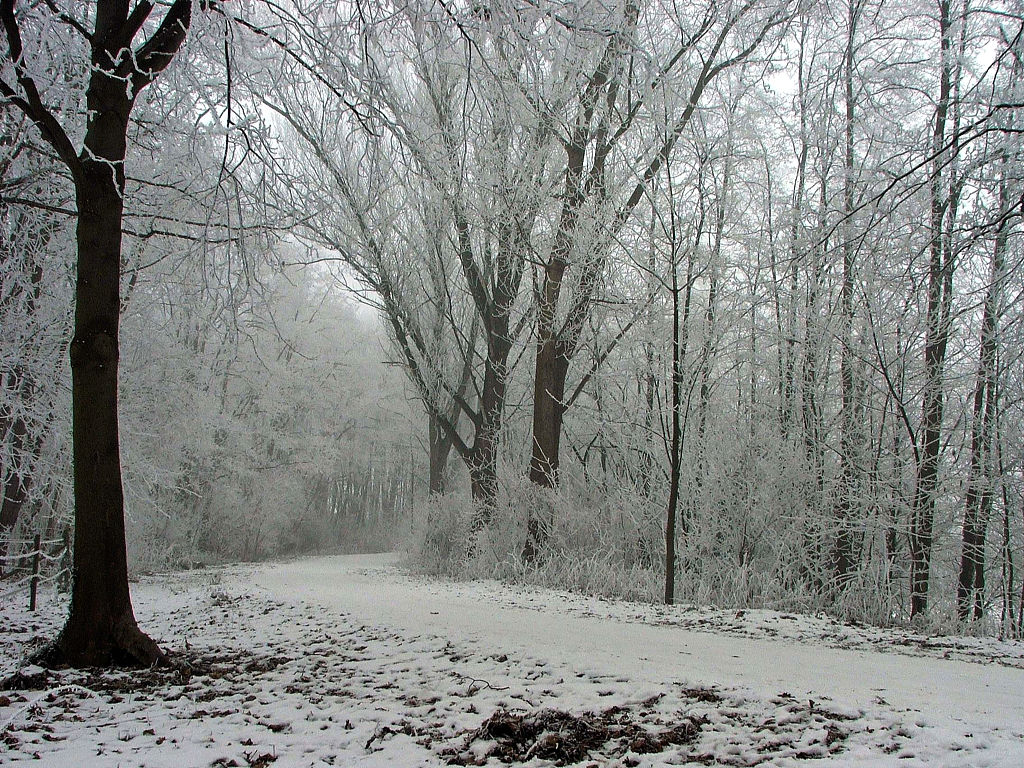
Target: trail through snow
354, 661
955, 695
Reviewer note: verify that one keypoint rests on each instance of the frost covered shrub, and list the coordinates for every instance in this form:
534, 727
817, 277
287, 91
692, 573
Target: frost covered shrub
600, 573
753, 532
445, 541
597, 540
871, 596
441, 534
611, 521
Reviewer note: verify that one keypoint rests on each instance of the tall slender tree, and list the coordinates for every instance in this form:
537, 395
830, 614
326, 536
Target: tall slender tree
944, 193
981, 478
594, 210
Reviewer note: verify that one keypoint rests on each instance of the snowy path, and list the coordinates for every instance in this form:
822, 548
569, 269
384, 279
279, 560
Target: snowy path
954, 696
352, 661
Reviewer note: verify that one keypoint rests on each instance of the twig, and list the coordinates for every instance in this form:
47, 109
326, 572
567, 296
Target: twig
483, 684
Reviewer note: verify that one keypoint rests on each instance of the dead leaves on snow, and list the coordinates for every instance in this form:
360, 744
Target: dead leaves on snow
565, 738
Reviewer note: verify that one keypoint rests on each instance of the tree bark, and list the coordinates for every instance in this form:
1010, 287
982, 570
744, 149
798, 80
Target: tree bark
676, 442
483, 458
101, 627
439, 449
548, 410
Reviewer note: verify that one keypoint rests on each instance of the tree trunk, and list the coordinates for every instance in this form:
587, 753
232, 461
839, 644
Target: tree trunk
483, 479
1008, 623
101, 627
676, 439
981, 477
649, 384
843, 554
548, 409
923, 511
439, 450
483, 460
940, 289
680, 342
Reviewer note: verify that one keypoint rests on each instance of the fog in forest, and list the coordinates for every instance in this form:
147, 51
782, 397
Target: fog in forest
713, 304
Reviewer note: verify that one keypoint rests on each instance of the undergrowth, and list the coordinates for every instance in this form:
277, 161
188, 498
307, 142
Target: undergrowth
609, 541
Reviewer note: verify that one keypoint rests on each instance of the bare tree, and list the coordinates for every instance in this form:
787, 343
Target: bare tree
944, 191
101, 627
603, 119
982, 482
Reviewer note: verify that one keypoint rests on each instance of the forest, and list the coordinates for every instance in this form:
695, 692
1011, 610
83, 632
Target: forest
714, 303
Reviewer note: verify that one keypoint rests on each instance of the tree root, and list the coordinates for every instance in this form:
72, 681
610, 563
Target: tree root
121, 645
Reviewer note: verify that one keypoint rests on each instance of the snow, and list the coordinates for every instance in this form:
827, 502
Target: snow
354, 661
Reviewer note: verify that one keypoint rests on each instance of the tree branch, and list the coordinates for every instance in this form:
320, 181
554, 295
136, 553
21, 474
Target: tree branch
70, 20
157, 52
31, 104
599, 360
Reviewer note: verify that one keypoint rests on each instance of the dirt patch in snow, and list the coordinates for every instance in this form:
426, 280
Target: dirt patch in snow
565, 738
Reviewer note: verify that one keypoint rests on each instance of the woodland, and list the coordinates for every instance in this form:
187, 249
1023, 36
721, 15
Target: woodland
715, 302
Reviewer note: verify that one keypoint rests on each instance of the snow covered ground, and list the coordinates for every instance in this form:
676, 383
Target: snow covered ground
354, 661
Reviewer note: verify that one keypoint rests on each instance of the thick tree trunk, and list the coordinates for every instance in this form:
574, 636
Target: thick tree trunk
483, 479
483, 485
101, 627
924, 506
978, 503
439, 450
548, 409
483, 461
